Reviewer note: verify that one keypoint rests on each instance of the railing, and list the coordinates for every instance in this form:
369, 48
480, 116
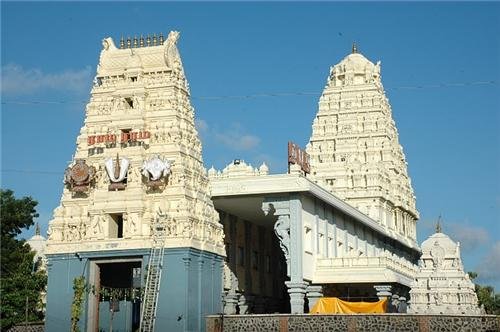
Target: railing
398, 265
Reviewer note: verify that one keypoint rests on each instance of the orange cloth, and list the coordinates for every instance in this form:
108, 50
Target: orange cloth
333, 305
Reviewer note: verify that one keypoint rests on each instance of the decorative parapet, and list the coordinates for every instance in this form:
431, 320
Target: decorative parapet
369, 269
142, 41
238, 168
138, 57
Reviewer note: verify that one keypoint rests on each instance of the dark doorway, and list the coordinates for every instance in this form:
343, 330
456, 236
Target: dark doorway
119, 296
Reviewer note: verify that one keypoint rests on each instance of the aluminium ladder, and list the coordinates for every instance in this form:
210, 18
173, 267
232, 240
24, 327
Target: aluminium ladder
155, 266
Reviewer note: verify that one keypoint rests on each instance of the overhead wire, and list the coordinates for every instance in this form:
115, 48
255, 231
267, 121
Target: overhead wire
261, 95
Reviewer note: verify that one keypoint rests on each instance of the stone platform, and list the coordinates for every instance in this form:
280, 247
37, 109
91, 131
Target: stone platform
352, 323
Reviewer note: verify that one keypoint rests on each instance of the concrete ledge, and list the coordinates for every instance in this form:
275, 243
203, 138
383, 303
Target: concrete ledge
352, 323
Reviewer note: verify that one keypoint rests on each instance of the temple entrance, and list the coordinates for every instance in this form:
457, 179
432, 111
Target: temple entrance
115, 303
255, 269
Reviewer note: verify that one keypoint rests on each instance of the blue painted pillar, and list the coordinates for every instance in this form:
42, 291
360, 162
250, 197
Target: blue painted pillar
296, 285
288, 229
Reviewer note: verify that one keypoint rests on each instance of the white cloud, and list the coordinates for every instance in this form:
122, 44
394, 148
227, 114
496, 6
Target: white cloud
470, 237
20, 81
237, 141
489, 267
232, 136
201, 125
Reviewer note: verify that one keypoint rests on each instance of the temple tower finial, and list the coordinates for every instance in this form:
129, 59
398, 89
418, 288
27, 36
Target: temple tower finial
438, 225
354, 48
37, 229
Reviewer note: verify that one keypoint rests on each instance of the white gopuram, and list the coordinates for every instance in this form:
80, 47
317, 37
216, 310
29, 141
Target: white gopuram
139, 121
38, 243
137, 171
441, 285
354, 147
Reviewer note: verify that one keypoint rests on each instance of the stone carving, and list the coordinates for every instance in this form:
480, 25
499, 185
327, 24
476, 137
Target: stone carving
131, 221
107, 43
172, 57
282, 231
80, 176
155, 170
96, 229
117, 172
441, 286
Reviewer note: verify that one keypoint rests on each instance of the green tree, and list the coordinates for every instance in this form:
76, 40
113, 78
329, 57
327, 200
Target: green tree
20, 287
486, 296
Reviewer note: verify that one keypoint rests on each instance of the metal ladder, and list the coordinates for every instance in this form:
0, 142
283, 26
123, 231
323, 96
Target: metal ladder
155, 266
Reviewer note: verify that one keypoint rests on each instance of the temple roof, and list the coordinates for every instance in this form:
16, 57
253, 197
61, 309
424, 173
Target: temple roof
356, 62
354, 69
442, 240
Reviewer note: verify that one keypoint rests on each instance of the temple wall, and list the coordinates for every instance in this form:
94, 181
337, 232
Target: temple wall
328, 233
191, 288
353, 323
62, 269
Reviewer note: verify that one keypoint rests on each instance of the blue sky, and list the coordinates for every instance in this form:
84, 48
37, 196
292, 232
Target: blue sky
450, 133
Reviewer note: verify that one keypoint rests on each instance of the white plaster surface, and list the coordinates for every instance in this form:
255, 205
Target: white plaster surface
441, 286
144, 90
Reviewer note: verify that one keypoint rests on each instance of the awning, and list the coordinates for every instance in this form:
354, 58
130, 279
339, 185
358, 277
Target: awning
333, 305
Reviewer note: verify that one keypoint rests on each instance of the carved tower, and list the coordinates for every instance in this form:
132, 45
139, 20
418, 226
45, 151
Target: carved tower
138, 161
354, 147
441, 286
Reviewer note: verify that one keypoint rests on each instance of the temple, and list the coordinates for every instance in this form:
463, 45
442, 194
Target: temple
441, 286
159, 242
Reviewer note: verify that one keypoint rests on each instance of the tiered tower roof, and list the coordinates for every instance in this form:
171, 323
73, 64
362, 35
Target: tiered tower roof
138, 158
354, 146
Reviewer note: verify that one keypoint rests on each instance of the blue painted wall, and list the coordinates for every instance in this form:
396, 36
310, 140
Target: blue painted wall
62, 269
191, 288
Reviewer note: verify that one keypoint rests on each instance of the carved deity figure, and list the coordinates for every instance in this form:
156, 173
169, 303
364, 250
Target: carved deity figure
96, 225
131, 220
437, 253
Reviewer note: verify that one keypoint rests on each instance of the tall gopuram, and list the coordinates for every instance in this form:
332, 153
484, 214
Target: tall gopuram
354, 148
441, 286
135, 219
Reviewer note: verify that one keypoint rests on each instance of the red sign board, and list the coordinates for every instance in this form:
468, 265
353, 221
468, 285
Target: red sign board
299, 157
124, 137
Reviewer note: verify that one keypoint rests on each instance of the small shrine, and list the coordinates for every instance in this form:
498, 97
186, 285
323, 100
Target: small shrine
441, 286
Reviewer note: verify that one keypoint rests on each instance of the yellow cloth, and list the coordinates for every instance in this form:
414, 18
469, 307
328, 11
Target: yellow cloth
333, 305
